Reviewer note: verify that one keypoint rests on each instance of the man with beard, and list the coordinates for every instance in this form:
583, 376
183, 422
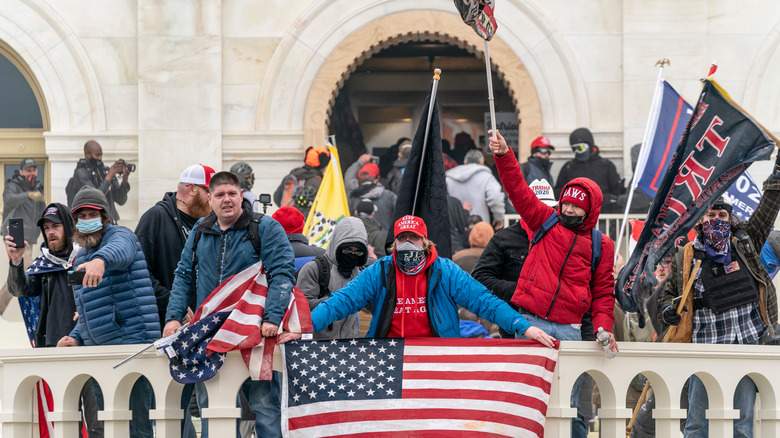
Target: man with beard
115, 302
164, 228
91, 172
22, 198
224, 248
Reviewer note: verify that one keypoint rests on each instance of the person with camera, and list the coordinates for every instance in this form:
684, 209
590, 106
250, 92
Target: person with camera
22, 199
90, 171
344, 259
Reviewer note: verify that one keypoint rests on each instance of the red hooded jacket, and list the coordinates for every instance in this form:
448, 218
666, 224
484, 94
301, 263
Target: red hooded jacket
555, 282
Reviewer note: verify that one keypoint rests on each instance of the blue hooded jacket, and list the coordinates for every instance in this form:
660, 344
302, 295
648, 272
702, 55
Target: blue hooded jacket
448, 287
122, 308
222, 254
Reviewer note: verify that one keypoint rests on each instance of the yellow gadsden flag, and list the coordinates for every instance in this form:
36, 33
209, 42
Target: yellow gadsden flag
329, 206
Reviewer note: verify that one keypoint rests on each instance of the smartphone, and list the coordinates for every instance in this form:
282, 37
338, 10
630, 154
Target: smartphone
76, 278
16, 230
375, 159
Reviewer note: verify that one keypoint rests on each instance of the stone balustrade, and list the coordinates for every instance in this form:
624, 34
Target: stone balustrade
667, 366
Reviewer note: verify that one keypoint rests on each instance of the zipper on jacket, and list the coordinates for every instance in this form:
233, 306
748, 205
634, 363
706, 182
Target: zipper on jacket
222, 235
560, 274
86, 321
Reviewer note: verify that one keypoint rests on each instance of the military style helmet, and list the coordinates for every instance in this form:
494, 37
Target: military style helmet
244, 173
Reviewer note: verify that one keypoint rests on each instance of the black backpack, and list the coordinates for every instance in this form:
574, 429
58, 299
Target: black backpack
73, 187
253, 234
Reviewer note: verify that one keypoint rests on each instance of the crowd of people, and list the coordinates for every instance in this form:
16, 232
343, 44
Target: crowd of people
549, 276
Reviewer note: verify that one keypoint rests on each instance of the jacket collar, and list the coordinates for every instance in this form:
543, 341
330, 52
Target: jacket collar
207, 224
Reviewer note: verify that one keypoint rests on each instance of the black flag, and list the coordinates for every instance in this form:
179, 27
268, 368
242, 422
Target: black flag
431, 187
719, 143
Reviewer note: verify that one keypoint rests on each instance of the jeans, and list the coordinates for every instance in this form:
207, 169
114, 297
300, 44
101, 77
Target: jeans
744, 399
264, 400
141, 401
563, 332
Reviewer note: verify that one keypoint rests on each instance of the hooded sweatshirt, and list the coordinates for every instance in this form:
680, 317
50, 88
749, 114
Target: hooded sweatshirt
349, 230
410, 318
476, 184
556, 282
47, 278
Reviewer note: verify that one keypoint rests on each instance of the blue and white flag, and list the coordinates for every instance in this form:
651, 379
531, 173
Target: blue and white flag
668, 126
744, 195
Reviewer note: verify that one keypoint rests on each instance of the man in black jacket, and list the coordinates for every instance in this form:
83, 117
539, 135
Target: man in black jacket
588, 163
163, 229
292, 221
90, 171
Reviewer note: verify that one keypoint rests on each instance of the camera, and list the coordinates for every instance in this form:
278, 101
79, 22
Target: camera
264, 198
130, 166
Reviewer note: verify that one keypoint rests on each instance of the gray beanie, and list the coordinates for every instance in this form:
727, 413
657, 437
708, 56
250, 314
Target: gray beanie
89, 197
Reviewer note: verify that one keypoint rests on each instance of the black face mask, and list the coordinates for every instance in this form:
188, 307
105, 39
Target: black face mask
571, 222
584, 156
545, 162
93, 162
348, 262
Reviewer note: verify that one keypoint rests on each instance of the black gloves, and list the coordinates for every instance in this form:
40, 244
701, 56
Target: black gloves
670, 315
610, 199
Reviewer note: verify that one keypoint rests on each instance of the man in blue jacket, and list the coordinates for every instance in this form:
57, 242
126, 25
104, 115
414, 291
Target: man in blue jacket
115, 302
416, 294
224, 249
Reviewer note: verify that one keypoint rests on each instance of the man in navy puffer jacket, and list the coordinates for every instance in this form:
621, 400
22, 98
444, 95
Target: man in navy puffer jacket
115, 302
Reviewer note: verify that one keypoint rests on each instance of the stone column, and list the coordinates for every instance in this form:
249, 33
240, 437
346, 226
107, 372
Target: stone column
179, 92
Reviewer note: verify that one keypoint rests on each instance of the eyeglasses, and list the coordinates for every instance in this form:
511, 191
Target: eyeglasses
579, 148
348, 251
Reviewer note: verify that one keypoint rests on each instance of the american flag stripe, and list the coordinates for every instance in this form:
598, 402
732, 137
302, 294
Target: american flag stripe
440, 386
228, 294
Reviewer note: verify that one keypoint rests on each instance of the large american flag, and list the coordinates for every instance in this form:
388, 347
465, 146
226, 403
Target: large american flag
403, 386
230, 319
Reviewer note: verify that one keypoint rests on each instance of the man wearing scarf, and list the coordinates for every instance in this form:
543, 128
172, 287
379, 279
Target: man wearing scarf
733, 300
47, 277
409, 286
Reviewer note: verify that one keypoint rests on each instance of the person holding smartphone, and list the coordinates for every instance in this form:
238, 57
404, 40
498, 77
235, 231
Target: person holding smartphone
22, 199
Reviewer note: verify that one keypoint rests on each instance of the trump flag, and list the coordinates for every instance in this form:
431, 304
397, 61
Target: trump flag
719, 143
416, 387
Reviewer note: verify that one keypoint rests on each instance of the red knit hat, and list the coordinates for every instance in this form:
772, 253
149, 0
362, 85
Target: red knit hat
290, 218
576, 195
412, 224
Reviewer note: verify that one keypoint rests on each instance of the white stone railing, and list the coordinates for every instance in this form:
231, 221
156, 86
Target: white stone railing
667, 366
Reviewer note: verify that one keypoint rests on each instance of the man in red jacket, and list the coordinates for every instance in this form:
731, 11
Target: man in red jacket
557, 284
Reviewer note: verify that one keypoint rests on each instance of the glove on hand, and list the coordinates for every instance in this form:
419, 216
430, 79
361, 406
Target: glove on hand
670, 315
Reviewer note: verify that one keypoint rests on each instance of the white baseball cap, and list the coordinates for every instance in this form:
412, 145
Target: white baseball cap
544, 191
197, 174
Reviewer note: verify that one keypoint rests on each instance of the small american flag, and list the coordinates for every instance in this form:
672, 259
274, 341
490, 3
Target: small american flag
230, 319
403, 386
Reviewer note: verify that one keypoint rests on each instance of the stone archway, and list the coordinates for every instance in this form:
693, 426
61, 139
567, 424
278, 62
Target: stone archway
310, 61
371, 39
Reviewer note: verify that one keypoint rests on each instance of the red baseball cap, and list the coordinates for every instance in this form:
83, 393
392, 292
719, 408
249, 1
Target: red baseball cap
369, 170
412, 224
197, 174
542, 142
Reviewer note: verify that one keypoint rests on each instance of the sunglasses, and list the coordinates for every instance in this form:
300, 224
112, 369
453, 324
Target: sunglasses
348, 251
543, 151
579, 148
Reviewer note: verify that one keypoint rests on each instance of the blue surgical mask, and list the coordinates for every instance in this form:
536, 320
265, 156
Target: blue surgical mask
89, 225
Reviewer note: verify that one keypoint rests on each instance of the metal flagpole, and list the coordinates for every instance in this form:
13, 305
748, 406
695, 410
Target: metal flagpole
490, 89
436, 73
643, 151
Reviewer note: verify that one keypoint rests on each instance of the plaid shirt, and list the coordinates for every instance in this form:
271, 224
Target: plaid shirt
740, 325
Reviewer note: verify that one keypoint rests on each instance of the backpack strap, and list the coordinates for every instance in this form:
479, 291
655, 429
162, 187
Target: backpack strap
253, 230
193, 270
595, 258
546, 226
323, 274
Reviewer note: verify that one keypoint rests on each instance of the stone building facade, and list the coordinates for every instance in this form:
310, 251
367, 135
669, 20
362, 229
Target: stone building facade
168, 83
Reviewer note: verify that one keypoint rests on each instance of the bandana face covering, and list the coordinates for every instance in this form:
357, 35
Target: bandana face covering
717, 234
410, 258
89, 225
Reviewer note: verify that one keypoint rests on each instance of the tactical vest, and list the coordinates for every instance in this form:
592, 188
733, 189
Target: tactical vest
727, 290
